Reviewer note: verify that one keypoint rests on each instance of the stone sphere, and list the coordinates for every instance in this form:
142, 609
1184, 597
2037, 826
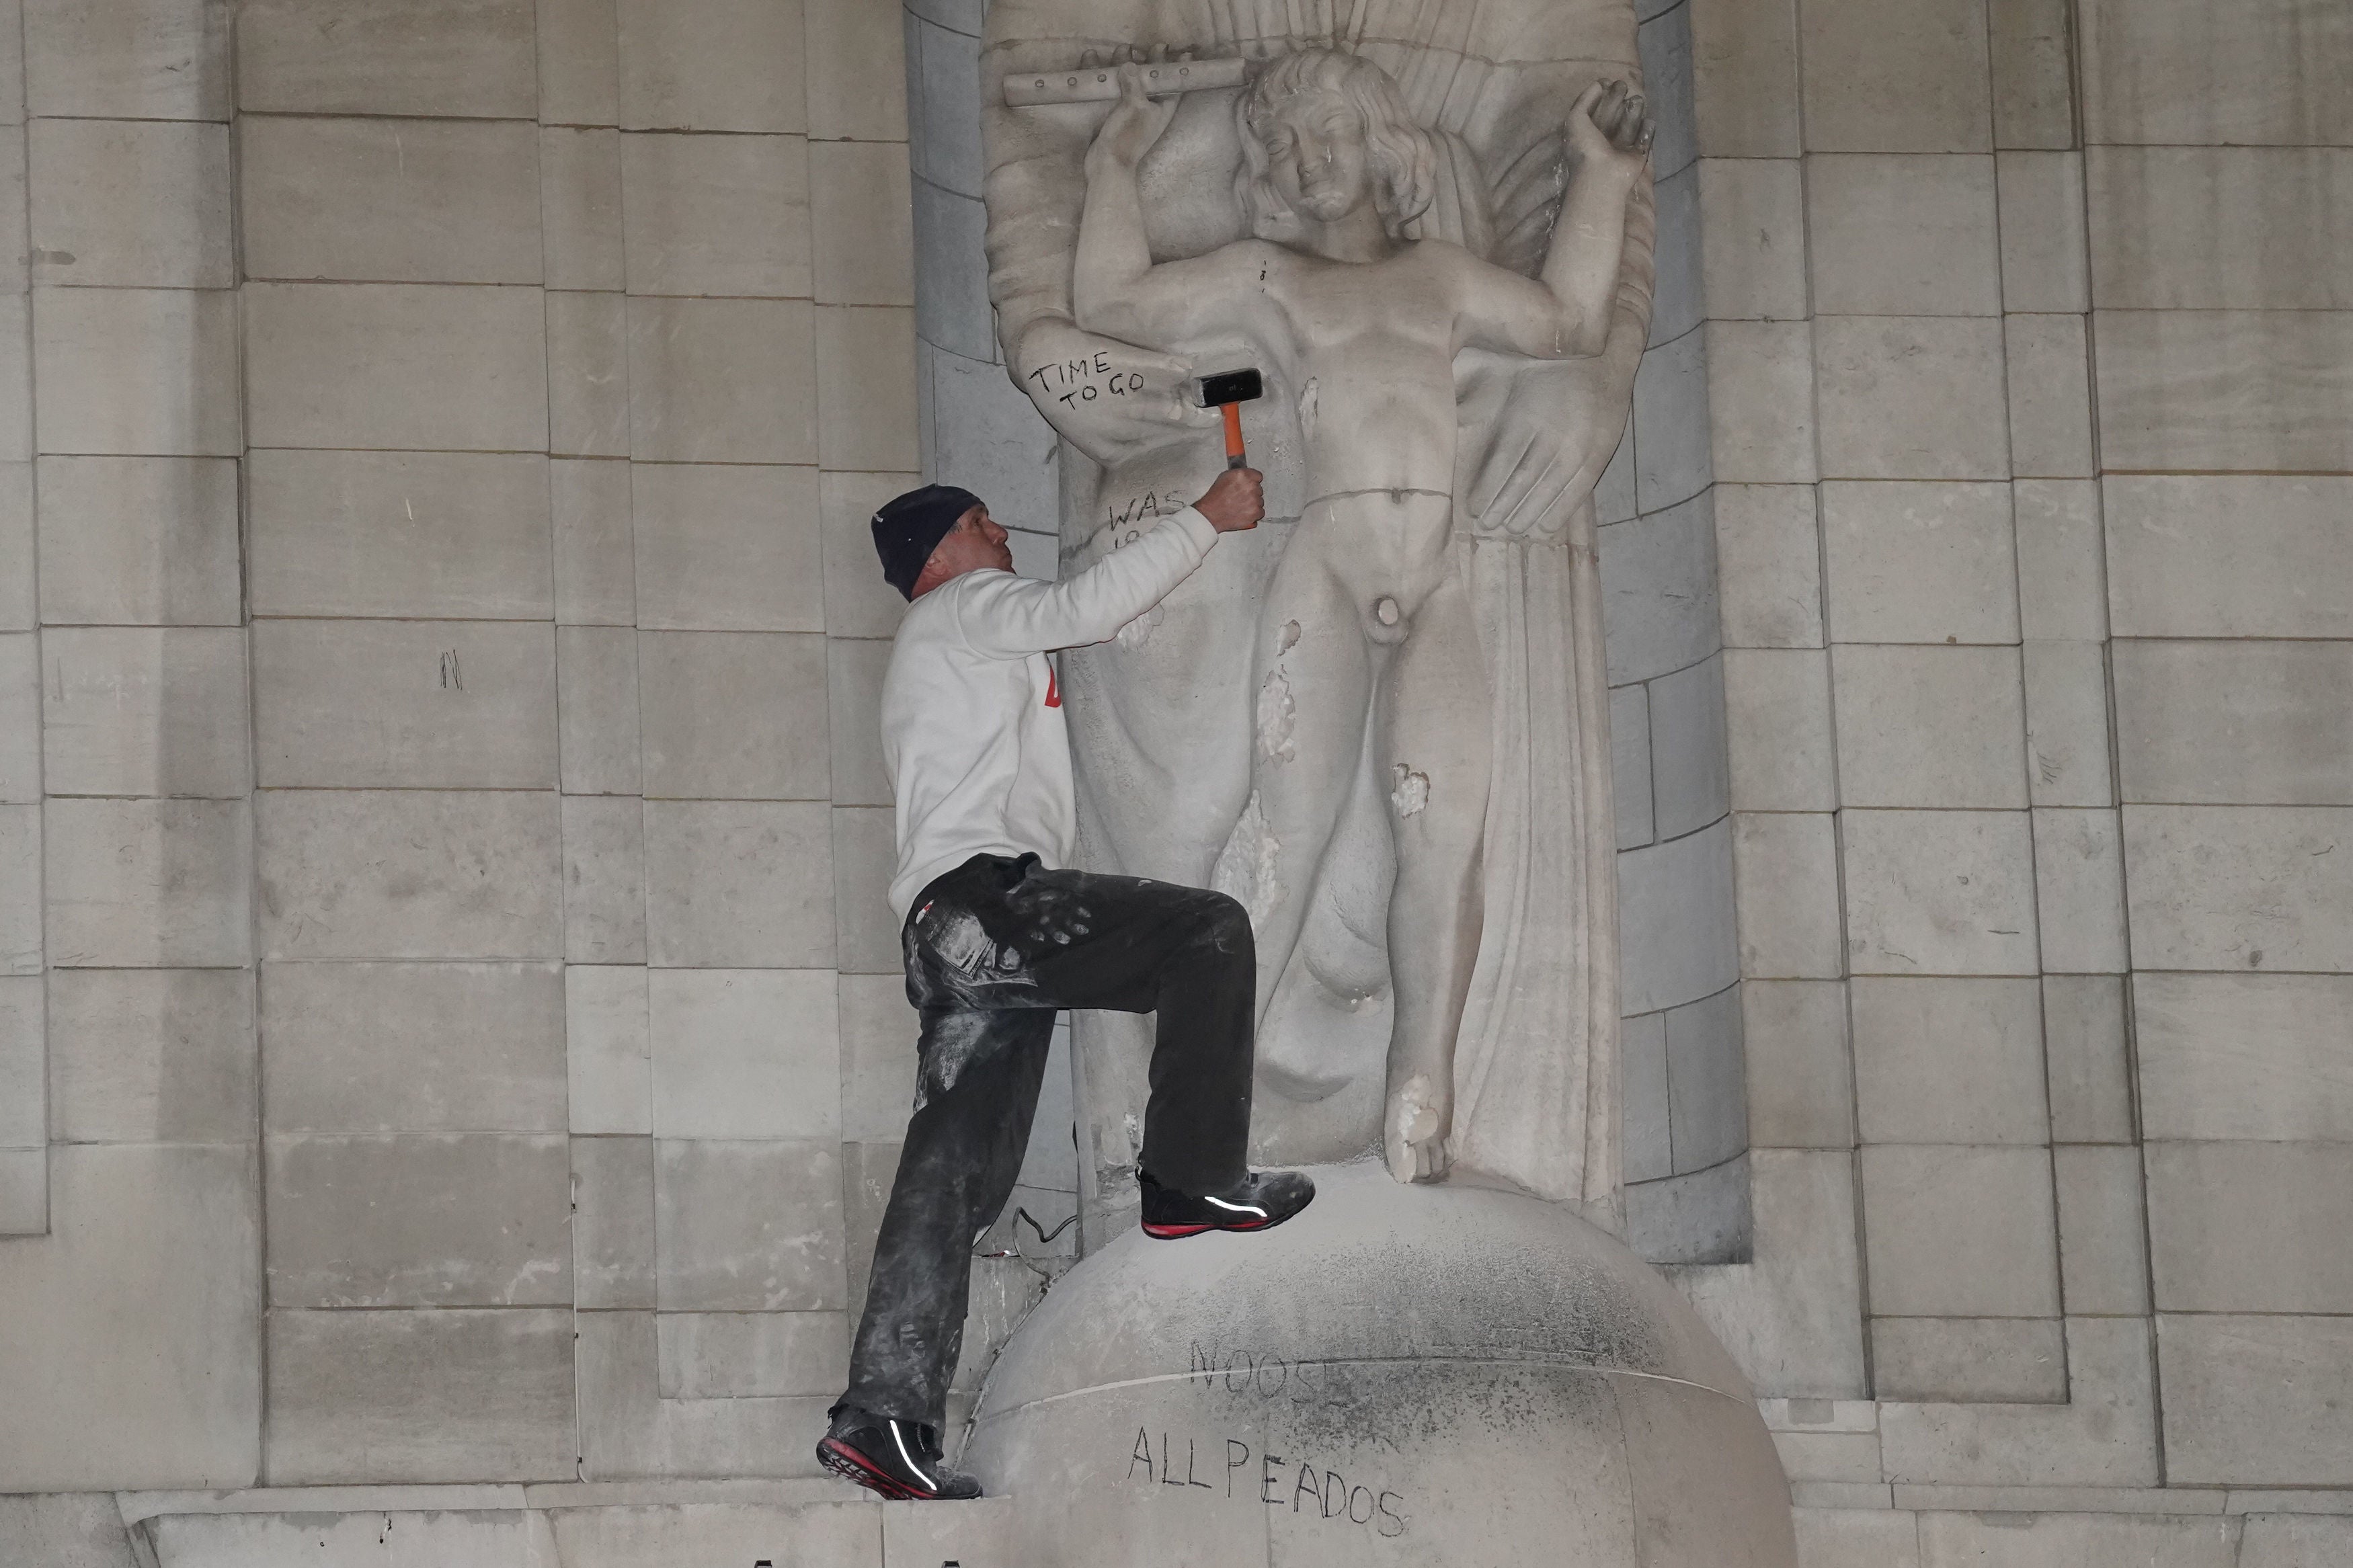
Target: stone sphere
1446, 1376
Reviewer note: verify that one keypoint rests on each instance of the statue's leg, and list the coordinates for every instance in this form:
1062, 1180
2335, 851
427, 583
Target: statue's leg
1312, 696
1160, 753
1433, 745
1159, 742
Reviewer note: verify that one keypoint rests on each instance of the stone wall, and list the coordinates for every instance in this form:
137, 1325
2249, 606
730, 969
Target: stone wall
441, 838
977, 430
2032, 421
1686, 1134
448, 984
133, 1286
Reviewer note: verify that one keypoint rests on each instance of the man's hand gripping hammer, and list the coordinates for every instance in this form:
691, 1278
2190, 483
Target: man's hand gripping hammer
1226, 392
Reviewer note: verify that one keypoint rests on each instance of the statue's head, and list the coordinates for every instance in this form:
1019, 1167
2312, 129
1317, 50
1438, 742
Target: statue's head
1322, 133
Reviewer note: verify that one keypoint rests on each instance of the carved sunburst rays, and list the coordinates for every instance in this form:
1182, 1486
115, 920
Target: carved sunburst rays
1452, 25
1278, 25
1422, 43
1489, 76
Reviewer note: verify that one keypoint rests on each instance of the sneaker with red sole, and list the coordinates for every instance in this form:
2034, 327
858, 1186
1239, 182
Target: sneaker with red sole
1261, 1201
900, 1459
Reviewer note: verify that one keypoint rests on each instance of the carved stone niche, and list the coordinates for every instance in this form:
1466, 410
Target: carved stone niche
1380, 722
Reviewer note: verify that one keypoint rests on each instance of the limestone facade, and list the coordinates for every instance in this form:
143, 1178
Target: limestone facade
440, 840
2025, 410
1681, 1061
450, 1029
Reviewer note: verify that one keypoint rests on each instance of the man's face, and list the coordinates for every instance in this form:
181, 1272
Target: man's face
975, 543
1316, 156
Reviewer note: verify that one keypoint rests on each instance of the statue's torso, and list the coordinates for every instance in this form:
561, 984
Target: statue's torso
1371, 347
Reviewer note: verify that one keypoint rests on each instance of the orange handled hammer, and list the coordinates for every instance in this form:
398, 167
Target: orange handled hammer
1226, 392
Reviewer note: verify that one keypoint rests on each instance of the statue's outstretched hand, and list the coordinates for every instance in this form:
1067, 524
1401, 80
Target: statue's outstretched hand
1610, 123
1545, 442
1135, 121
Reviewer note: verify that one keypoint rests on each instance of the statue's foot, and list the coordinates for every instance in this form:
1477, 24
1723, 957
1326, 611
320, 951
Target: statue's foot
1414, 1131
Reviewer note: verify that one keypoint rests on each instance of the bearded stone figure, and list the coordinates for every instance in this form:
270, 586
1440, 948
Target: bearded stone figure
1382, 724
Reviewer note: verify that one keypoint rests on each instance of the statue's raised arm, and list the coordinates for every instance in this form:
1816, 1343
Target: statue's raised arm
1116, 286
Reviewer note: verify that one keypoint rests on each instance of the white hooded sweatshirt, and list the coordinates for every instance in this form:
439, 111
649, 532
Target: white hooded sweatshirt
973, 734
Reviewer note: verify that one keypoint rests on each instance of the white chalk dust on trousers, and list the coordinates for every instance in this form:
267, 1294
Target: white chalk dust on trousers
1276, 713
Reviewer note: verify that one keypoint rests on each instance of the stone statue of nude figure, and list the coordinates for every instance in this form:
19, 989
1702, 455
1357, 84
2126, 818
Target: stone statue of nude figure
1365, 621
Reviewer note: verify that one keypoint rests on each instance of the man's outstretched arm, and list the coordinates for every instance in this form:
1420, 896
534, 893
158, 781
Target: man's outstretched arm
1016, 616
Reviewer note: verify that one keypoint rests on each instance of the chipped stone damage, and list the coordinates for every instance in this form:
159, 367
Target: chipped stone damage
1409, 790
1246, 866
1138, 632
1276, 713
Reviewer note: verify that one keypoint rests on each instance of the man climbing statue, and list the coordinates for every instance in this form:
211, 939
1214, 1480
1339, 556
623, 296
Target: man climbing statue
997, 936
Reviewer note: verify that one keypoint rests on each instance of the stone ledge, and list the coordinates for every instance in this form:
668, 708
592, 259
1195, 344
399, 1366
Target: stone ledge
2176, 1501
2060, 1500
654, 1492
656, 1524
2316, 1501
489, 1498
603, 1524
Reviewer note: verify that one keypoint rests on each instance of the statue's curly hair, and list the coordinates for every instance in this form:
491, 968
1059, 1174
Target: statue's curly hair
1404, 155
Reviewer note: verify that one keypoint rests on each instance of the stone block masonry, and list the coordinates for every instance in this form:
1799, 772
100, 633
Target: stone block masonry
2048, 299
441, 828
424, 865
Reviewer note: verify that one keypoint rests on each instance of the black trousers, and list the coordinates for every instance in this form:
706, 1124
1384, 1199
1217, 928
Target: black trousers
993, 950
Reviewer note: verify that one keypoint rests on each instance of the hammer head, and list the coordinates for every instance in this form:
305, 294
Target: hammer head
1229, 386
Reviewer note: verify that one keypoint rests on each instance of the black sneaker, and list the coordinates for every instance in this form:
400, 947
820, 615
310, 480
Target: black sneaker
897, 1459
1261, 1201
